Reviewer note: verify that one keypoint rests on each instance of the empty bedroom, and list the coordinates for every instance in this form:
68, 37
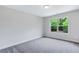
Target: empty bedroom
39, 28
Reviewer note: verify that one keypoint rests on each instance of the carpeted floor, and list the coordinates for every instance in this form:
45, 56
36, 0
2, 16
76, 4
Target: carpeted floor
44, 45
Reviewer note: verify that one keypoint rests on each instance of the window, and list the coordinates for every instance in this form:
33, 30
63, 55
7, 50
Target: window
59, 25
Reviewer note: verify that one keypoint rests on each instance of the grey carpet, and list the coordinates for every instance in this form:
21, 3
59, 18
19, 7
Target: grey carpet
44, 45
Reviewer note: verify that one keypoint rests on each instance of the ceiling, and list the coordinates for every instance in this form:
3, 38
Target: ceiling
38, 10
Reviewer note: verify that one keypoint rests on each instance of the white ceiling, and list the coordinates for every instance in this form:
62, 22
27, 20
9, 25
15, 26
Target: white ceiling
38, 10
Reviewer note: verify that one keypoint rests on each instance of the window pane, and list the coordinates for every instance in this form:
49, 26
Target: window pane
59, 24
54, 24
63, 25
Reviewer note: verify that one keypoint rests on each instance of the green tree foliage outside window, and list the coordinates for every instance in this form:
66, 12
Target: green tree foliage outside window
59, 24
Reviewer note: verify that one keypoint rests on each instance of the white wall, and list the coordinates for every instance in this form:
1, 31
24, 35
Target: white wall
17, 27
73, 30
